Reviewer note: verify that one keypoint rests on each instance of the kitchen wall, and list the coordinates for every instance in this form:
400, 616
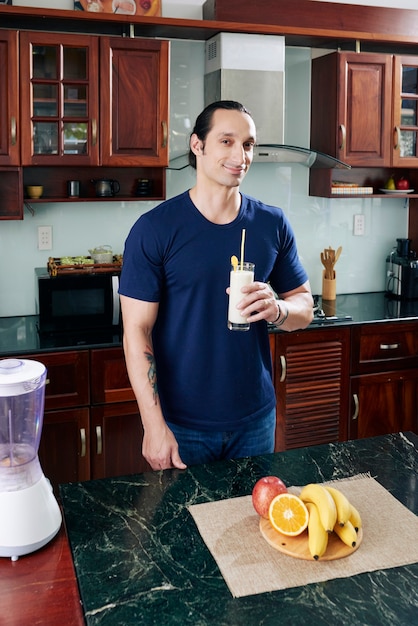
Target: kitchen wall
318, 222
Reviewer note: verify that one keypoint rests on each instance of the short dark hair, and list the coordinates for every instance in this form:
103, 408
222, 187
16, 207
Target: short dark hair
204, 121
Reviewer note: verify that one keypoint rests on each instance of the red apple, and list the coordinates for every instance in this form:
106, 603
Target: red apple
402, 183
264, 491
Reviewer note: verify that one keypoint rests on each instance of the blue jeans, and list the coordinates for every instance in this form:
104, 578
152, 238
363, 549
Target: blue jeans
197, 446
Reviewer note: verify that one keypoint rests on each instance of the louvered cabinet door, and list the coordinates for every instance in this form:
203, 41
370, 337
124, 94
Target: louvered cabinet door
312, 387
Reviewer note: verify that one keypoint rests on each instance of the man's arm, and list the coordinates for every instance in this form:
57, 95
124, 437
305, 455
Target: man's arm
159, 447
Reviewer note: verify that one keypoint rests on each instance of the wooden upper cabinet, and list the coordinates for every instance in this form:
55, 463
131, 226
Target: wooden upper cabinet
134, 101
365, 108
405, 111
9, 100
59, 99
351, 107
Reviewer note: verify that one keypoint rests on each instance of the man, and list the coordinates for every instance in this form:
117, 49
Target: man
214, 397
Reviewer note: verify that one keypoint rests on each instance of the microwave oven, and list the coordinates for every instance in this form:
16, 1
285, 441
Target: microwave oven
77, 302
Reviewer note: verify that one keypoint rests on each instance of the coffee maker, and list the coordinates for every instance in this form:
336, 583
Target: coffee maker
30, 516
402, 272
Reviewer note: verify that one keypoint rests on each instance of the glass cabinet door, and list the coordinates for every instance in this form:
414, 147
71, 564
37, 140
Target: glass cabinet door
405, 111
59, 99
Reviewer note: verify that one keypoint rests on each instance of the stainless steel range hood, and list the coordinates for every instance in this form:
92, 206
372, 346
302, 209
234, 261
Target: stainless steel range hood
281, 153
250, 69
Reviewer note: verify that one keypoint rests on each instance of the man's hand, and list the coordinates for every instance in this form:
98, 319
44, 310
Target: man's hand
258, 303
161, 450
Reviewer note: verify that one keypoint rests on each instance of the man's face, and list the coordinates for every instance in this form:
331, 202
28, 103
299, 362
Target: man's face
226, 155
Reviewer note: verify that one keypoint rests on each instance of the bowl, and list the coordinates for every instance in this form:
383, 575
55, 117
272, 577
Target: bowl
34, 191
102, 257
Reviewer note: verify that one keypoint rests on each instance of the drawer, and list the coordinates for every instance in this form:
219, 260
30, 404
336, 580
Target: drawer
67, 378
377, 347
109, 377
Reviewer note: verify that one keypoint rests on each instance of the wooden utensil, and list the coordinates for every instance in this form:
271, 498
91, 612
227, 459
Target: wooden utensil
329, 258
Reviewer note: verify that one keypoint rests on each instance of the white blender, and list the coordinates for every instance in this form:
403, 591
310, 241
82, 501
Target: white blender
29, 513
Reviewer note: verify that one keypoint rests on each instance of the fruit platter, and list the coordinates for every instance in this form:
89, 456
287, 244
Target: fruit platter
317, 523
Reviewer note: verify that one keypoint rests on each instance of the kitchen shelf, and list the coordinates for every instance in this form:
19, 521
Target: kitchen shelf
320, 181
54, 181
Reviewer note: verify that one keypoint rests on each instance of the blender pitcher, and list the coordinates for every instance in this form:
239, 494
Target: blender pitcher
30, 515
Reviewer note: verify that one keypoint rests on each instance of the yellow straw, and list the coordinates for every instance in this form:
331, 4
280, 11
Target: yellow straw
242, 246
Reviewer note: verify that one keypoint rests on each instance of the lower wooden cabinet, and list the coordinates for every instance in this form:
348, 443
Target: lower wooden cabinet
384, 381
92, 427
116, 440
64, 452
312, 387
384, 403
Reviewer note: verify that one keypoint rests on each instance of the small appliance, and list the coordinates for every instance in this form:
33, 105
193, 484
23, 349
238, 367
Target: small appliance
30, 515
77, 302
402, 271
106, 187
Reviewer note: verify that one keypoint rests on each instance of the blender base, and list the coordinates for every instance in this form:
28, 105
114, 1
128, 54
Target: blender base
29, 519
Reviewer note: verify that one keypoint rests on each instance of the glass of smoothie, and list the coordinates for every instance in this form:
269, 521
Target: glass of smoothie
241, 274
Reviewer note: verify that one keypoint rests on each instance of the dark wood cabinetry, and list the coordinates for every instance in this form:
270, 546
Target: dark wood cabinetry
364, 112
9, 100
116, 440
59, 99
11, 196
63, 450
92, 427
384, 381
115, 420
311, 381
134, 102
88, 105
351, 107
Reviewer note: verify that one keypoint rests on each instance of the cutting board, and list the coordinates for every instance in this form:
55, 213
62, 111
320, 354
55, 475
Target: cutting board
298, 546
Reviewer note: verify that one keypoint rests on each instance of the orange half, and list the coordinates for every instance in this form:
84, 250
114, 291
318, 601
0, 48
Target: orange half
288, 514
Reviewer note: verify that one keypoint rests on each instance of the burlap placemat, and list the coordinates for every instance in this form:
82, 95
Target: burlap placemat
249, 565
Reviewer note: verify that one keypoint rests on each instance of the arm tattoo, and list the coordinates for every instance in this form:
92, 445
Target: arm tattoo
152, 373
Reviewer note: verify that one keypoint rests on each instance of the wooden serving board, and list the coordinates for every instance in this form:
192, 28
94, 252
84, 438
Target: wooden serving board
298, 546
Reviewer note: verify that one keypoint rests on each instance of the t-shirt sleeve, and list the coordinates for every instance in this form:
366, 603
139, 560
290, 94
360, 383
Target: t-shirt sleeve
288, 272
142, 269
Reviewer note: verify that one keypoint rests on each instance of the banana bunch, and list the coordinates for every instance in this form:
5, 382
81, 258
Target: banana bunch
329, 511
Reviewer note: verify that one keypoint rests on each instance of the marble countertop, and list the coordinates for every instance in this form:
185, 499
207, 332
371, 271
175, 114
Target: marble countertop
140, 559
19, 335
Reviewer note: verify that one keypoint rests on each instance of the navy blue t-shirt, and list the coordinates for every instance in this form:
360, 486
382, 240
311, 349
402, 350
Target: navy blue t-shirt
209, 378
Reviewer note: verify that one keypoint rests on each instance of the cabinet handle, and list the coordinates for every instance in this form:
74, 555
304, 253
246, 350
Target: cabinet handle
165, 134
396, 136
99, 448
389, 346
83, 441
356, 406
13, 130
283, 366
94, 131
343, 136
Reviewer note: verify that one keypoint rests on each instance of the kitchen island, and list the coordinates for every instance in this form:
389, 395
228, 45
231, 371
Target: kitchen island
139, 557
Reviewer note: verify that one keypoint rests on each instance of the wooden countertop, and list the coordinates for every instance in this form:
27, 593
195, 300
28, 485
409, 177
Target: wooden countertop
41, 588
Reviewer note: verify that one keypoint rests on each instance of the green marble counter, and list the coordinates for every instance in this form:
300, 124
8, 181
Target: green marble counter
140, 559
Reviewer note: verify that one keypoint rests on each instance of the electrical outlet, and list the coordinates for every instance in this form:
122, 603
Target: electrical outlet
358, 225
44, 237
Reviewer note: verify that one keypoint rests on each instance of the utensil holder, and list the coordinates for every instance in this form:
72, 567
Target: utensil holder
329, 287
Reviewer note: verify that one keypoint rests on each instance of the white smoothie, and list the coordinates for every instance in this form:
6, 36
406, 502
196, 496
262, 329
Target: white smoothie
238, 279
